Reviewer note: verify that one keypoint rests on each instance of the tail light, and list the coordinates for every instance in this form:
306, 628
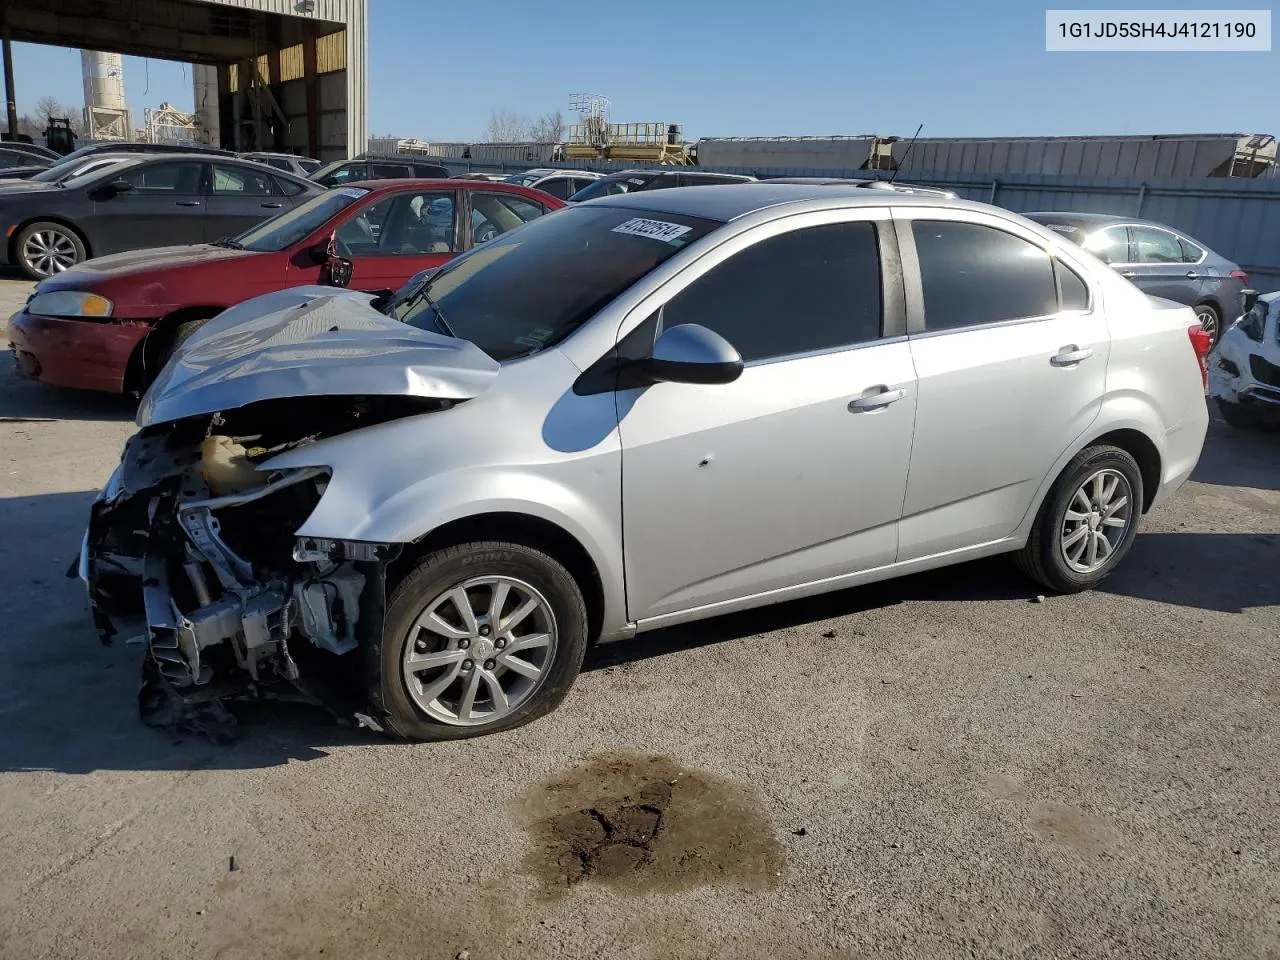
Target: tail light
1241, 276
1201, 343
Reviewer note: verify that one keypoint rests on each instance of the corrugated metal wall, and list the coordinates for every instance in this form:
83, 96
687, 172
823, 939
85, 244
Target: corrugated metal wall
1138, 157
1238, 218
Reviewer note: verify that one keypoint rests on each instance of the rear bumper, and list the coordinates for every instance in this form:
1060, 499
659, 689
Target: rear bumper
84, 354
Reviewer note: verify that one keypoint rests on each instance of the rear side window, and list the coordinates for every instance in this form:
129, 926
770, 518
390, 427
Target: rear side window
290, 188
1075, 292
391, 171
1190, 252
798, 292
974, 274
429, 171
557, 187
1156, 246
241, 181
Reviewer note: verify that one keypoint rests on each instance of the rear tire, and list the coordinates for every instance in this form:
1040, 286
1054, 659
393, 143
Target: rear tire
1065, 551
44, 249
493, 651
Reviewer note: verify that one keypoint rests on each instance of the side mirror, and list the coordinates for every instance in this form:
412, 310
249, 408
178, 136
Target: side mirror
119, 186
1250, 299
690, 353
338, 270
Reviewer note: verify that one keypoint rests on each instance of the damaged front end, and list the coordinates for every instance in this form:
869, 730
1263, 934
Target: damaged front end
191, 550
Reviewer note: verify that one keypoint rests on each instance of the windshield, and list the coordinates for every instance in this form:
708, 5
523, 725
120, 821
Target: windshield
530, 288
609, 186
290, 227
88, 170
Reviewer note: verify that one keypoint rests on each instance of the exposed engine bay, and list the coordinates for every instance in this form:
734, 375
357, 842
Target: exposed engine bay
191, 551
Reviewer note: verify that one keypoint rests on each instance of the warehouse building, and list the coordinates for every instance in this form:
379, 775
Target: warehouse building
270, 74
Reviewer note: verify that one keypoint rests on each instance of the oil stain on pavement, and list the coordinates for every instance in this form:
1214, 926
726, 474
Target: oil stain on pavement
642, 823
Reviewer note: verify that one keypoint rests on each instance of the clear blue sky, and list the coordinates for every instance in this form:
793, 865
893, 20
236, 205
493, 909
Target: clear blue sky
436, 70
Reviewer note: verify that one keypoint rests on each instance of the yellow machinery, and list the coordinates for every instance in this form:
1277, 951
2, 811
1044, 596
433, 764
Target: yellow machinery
642, 142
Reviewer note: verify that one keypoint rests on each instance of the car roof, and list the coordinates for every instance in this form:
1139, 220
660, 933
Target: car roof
730, 201
1083, 219
397, 184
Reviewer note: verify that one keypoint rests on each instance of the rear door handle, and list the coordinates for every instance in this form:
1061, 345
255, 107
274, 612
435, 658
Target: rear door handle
188, 203
1128, 273
273, 206
1070, 355
876, 401
1192, 275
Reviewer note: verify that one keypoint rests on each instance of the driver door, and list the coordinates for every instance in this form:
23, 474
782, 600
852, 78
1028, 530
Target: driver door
397, 236
792, 473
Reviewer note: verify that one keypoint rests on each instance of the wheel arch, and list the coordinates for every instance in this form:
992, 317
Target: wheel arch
1143, 449
61, 221
522, 528
146, 354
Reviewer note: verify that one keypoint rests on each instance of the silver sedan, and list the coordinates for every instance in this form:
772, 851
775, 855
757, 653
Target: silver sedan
645, 410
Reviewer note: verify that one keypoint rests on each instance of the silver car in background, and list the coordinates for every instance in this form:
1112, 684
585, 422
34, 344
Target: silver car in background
645, 410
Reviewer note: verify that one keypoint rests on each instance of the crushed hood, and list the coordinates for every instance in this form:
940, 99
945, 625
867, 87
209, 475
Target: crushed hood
310, 341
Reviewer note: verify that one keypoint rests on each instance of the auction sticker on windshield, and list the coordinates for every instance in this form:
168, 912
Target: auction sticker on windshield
653, 229
354, 193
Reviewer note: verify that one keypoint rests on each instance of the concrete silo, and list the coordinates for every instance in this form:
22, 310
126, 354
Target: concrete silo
106, 114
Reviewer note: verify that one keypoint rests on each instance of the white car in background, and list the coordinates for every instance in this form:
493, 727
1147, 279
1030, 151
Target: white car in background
1244, 369
561, 184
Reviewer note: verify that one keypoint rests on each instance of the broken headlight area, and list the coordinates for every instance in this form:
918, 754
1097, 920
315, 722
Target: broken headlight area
192, 551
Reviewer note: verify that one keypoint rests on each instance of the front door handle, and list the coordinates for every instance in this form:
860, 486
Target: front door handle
1128, 273
188, 203
273, 206
1070, 355
1192, 275
876, 401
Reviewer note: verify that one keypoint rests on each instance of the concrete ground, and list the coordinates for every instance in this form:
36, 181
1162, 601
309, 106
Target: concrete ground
935, 767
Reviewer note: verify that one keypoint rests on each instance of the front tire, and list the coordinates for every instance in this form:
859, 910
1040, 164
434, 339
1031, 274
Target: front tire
45, 248
478, 638
1087, 523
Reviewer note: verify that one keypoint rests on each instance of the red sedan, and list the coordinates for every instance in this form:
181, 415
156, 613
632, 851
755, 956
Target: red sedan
110, 324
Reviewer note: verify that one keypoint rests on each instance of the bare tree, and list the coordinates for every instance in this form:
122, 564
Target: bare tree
47, 107
548, 128
506, 126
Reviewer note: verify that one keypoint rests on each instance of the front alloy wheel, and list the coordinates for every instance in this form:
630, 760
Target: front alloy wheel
45, 249
478, 637
479, 650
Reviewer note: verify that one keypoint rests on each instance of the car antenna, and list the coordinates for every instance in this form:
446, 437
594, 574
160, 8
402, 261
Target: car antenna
894, 175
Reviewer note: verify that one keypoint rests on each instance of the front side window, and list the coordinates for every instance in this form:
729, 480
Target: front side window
610, 186
557, 187
1156, 246
402, 224
807, 290
974, 274
339, 173
171, 177
391, 171
241, 181
291, 226
531, 288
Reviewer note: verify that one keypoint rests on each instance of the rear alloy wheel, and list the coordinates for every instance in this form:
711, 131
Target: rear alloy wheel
478, 638
1087, 522
1211, 322
45, 249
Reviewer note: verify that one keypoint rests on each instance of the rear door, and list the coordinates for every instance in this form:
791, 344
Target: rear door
164, 206
398, 235
240, 196
1011, 355
1158, 267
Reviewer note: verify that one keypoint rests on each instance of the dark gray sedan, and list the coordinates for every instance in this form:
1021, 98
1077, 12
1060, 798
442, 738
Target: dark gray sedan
151, 200
1162, 261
